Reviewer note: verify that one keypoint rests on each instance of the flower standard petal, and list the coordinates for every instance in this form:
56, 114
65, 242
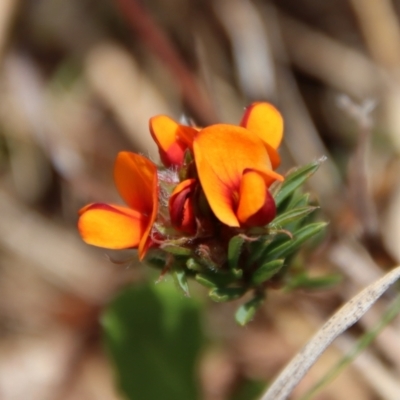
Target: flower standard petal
265, 120
111, 226
172, 139
222, 154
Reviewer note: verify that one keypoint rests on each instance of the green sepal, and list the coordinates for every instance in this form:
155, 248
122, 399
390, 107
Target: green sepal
293, 215
234, 250
266, 271
180, 278
177, 250
291, 245
246, 311
221, 295
220, 279
295, 180
306, 282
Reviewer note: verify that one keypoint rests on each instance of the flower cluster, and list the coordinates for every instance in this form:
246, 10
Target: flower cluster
209, 211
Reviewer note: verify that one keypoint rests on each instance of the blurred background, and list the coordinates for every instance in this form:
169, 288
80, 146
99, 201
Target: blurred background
79, 80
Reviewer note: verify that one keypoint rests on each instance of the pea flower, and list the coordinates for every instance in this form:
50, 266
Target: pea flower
235, 166
200, 207
115, 227
172, 139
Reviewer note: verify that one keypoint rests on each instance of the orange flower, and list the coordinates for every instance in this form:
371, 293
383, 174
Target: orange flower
172, 139
116, 227
235, 166
181, 207
266, 122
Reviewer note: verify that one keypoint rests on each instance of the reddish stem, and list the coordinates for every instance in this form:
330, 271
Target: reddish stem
144, 25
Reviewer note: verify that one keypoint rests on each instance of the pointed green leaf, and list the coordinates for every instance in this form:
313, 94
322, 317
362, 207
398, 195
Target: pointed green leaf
219, 279
257, 249
246, 312
295, 180
292, 215
299, 200
234, 250
316, 283
299, 238
206, 280
220, 295
181, 280
266, 271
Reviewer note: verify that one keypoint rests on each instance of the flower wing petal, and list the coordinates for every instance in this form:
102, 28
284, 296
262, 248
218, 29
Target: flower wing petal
111, 226
256, 205
136, 180
172, 139
264, 120
252, 195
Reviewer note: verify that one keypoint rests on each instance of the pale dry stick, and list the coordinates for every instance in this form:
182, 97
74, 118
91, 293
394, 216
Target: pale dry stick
339, 66
379, 24
345, 317
250, 46
377, 374
117, 79
354, 262
7, 12
300, 130
358, 186
56, 252
144, 25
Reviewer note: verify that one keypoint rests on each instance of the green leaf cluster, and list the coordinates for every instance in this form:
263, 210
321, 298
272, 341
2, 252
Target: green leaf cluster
256, 259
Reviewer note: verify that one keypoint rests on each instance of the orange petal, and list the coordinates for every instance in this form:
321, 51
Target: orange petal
256, 206
264, 120
181, 208
172, 139
273, 156
111, 226
136, 180
222, 154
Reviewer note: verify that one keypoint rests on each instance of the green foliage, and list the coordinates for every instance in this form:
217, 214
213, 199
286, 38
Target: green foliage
154, 339
234, 250
246, 311
221, 295
293, 244
253, 260
295, 180
304, 281
267, 271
